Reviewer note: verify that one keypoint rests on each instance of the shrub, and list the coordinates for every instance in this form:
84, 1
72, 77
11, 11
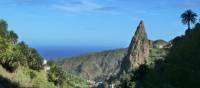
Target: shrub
56, 75
9, 58
35, 61
32, 74
140, 73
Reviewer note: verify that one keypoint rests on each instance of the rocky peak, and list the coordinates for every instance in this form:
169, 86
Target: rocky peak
138, 50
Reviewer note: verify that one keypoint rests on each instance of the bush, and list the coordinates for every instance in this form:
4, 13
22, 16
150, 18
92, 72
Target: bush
13, 54
9, 59
35, 61
141, 72
56, 75
32, 74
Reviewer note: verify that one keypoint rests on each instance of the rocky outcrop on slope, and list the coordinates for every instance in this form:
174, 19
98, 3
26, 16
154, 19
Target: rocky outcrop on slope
138, 50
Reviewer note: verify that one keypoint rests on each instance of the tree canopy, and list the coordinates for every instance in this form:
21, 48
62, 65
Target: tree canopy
14, 53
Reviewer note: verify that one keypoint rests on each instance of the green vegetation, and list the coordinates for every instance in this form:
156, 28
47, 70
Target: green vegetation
14, 53
156, 54
21, 66
179, 68
105, 60
131, 79
95, 66
56, 75
23, 77
61, 78
176, 66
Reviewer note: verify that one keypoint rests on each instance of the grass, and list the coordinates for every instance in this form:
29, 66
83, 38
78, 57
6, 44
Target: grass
23, 78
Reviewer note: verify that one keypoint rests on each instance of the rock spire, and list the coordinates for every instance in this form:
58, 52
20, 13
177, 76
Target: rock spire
138, 50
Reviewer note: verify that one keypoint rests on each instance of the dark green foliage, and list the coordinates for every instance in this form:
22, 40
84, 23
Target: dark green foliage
180, 69
34, 60
126, 80
24, 53
188, 17
32, 74
141, 72
51, 63
130, 79
12, 37
156, 54
3, 31
184, 57
56, 75
13, 54
9, 58
3, 45
6, 83
3, 28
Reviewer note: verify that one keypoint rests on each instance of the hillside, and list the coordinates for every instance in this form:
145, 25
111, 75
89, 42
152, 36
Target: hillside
180, 69
143, 64
23, 67
103, 65
98, 66
22, 78
95, 66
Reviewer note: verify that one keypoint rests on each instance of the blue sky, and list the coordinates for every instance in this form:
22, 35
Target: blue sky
93, 23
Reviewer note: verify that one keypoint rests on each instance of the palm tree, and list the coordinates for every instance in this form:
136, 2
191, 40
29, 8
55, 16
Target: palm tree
188, 17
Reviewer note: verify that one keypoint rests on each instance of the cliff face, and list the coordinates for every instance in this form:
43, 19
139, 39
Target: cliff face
138, 50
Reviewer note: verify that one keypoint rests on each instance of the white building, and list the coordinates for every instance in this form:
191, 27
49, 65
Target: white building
44, 62
46, 67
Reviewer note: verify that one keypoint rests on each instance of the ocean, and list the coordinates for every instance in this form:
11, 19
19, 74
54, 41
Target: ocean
65, 52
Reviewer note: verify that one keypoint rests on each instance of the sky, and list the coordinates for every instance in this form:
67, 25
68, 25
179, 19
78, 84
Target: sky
92, 25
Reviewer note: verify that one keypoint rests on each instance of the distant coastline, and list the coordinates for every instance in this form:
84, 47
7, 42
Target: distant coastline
50, 52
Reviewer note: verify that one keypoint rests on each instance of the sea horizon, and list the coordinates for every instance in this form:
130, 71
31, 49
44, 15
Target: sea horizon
64, 52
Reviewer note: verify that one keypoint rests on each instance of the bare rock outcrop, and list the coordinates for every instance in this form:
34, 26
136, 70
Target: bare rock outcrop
138, 50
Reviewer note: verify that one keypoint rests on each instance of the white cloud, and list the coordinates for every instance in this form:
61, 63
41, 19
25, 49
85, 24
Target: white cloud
87, 6
82, 6
191, 3
73, 6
